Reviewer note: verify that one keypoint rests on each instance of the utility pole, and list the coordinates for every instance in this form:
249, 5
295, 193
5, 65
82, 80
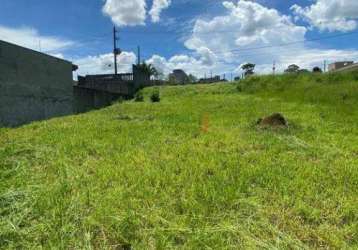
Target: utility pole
138, 56
116, 51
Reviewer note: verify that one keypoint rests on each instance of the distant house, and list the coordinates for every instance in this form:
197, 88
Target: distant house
339, 65
178, 76
347, 68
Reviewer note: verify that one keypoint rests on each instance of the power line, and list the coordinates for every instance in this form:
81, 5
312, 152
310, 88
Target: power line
286, 44
233, 51
283, 44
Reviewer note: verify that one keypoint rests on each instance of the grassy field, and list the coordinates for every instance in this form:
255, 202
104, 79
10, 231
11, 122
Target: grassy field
190, 172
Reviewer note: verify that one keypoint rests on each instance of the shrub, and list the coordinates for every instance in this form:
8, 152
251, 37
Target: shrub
317, 70
155, 96
139, 97
354, 75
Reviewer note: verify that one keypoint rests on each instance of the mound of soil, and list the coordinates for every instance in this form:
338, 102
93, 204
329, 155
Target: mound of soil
274, 120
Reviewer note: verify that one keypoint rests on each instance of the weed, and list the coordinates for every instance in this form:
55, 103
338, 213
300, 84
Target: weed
155, 96
139, 97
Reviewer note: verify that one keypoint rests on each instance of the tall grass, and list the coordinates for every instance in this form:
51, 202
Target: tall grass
317, 88
190, 172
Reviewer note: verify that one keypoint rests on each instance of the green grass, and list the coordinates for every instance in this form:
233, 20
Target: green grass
190, 172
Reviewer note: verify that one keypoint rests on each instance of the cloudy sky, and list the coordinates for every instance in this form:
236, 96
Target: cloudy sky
195, 35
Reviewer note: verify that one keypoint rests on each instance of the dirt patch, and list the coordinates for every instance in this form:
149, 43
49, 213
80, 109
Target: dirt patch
276, 120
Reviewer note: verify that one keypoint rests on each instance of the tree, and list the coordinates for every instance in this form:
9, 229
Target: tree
317, 70
248, 68
148, 69
304, 71
293, 68
192, 79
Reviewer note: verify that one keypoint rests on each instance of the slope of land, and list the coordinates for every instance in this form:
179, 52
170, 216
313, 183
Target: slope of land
190, 172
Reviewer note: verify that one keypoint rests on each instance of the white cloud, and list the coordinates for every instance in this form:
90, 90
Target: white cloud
315, 57
208, 58
160, 63
158, 6
190, 64
222, 43
103, 64
247, 24
126, 12
216, 41
331, 15
58, 55
30, 38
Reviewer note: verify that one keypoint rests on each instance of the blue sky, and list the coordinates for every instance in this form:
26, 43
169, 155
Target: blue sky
198, 36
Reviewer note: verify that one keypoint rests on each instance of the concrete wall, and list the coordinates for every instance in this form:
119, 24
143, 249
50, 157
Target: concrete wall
140, 79
33, 86
86, 99
117, 84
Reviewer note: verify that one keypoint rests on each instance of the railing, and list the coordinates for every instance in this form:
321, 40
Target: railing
119, 77
95, 80
117, 84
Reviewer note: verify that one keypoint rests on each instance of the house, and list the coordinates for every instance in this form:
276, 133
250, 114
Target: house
178, 76
33, 85
348, 68
339, 65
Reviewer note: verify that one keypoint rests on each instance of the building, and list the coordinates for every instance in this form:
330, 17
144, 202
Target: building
33, 86
339, 65
178, 77
348, 68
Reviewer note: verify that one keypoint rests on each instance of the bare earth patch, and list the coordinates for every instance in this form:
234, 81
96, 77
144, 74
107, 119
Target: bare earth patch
276, 120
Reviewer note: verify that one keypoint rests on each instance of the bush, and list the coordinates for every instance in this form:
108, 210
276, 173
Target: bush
155, 96
139, 97
317, 70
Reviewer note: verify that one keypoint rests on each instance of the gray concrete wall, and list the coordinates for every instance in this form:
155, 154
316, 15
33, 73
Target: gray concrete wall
140, 79
86, 99
33, 86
